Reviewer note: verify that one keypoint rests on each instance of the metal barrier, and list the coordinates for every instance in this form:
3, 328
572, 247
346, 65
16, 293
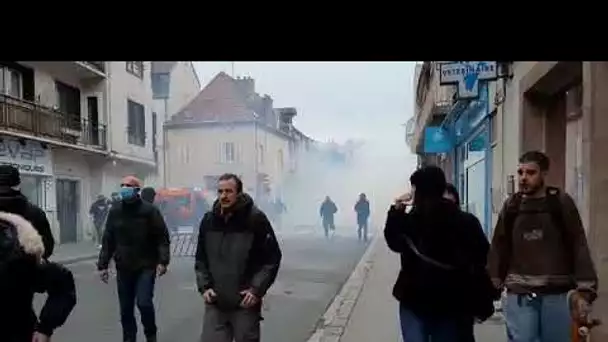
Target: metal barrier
183, 244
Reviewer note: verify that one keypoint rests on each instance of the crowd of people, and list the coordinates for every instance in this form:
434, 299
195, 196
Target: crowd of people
450, 273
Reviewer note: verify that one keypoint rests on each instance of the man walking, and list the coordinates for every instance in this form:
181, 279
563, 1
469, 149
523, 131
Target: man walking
539, 253
98, 211
237, 260
137, 238
362, 210
327, 211
13, 201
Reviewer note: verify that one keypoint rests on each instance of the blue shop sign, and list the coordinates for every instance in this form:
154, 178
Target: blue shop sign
468, 76
437, 139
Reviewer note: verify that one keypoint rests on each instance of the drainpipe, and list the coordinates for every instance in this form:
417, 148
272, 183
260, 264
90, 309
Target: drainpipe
255, 160
108, 116
164, 156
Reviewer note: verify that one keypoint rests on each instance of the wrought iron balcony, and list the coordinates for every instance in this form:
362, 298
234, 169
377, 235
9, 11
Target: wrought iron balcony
33, 119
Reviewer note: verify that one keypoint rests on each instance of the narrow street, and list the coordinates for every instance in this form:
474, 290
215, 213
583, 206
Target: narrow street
313, 271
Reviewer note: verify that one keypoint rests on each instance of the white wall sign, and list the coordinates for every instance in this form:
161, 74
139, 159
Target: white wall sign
30, 158
467, 76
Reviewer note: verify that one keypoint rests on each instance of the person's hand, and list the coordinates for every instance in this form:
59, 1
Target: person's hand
209, 296
249, 299
161, 270
404, 200
104, 275
40, 337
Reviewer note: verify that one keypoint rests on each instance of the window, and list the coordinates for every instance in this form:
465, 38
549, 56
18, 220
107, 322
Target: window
160, 85
228, 153
136, 69
11, 82
68, 101
136, 126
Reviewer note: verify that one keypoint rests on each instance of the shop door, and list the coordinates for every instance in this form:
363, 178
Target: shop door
67, 209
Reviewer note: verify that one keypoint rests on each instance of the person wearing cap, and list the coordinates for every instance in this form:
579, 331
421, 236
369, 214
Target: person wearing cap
13, 201
136, 237
23, 272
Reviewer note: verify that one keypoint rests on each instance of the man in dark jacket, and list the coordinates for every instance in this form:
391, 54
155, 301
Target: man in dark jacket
98, 211
440, 247
327, 211
148, 194
23, 272
237, 260
137, 238
362, 210
13, 201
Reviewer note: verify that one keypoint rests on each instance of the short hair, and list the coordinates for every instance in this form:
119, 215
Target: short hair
451, 189
237, 180
429, 182
536, 157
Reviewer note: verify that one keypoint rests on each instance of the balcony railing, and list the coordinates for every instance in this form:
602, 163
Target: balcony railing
97, 65
31, 118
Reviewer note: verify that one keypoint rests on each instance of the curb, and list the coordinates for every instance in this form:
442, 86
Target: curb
333, 323
73, 260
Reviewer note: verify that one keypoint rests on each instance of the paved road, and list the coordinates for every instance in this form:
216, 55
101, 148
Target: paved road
312, 273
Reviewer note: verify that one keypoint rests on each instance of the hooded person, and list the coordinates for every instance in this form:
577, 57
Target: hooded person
13, 201
148, 194
23, 272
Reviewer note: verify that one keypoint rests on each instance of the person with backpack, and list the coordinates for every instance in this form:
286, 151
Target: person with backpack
539, 254
13, 201
442, 286
327, 211
24, 272
237, 260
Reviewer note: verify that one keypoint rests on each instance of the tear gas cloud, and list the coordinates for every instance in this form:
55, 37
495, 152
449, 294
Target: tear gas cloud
379, 169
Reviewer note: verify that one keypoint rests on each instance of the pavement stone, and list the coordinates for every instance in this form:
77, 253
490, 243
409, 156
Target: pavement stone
69, 253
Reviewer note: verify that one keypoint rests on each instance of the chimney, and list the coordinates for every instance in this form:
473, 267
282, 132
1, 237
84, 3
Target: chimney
246, 85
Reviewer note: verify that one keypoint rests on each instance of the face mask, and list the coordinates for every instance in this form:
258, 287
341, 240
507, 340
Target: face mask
127, 193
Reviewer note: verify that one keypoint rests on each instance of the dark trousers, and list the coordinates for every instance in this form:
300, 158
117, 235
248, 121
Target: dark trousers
423, 329
239, 325
136, 287
328, 224
98, 223
362, 231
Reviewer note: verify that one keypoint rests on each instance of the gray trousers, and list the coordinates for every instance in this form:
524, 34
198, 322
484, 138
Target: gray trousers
241, 325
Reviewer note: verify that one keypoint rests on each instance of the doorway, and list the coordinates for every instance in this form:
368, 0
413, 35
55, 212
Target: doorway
68, 205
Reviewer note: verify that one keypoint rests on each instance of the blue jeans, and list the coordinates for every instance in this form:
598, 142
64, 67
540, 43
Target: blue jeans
136, 287
545, 318
418, 329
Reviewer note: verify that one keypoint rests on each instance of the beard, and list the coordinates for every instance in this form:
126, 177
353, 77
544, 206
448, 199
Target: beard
529, 189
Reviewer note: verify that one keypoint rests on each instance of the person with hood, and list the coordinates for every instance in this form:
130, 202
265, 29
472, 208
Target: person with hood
13, 201
362, 210
442, 283
98, 211
136, 237
23, 272
327, 211
237, 260
148, 194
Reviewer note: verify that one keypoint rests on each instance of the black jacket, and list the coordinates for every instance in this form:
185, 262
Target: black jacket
23, 272
13, 201
135, 236
236, 253
447, 235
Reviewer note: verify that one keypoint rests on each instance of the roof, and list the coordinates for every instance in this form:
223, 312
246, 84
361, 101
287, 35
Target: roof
220, 100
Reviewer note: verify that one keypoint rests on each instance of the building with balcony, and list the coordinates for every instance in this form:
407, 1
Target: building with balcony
229, 127
174, 84
74, 129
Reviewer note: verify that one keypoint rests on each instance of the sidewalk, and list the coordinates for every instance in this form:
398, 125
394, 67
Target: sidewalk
69, 253
374, 317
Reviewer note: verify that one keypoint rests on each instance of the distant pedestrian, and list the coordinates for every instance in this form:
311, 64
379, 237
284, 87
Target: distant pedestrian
442, 283
237, 260
327, 211
98, 212
136, 237
23, 272
13, 201
148, 194
540, 255
363, 211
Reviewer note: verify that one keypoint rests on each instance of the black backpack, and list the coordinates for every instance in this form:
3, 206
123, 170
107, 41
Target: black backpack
555, 208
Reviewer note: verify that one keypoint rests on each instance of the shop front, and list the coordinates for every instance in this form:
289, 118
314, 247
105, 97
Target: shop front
472, 157
34, 161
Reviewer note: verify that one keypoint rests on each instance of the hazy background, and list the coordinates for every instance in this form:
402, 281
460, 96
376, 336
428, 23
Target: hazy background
340, 101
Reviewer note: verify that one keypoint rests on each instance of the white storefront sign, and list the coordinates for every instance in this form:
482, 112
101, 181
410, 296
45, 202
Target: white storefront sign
467, 76
28, 156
